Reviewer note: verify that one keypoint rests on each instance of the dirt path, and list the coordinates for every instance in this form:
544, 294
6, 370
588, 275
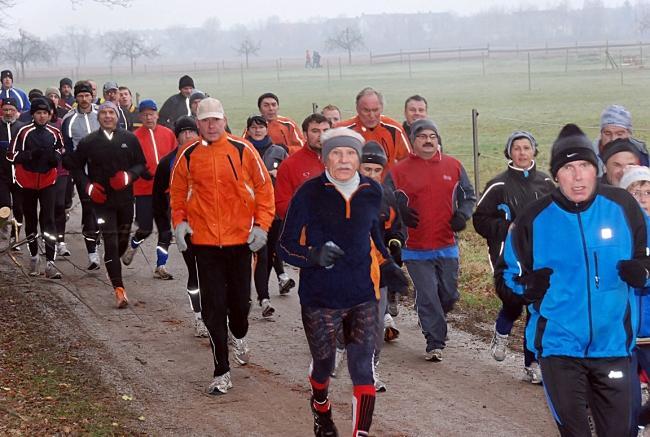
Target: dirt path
148, 351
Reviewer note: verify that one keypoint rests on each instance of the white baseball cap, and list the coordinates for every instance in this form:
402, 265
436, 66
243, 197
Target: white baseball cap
209, 108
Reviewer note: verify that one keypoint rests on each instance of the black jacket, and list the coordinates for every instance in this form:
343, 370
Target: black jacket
7, 132
503, 199
160, 195
97, 158
174, 107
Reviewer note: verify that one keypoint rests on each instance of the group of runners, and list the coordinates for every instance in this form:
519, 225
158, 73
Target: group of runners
355, 204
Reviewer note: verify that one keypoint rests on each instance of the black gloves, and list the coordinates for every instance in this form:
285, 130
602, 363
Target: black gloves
395, 249
410, 216
326, 255
394, 277
536, 284
633, 272
458, 222
52, 159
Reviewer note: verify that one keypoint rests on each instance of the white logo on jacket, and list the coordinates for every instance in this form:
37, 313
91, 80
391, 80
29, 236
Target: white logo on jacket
606, 233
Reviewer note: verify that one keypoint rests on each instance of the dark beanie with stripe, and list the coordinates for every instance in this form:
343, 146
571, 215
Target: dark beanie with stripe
571, 145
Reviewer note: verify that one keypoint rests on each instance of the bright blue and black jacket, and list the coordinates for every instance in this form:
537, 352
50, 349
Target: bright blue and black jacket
587, 311
318, 213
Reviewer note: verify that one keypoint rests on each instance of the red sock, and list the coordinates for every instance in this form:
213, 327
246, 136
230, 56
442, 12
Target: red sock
363, 405
319, 393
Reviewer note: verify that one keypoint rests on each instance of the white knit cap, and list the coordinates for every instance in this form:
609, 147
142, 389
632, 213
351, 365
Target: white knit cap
634, 173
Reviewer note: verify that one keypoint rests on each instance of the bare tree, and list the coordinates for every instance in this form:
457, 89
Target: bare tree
248, 47
25, 49
78, 41
347, 39
128, 45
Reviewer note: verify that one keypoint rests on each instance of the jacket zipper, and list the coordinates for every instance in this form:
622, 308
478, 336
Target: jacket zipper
584, 248
596, 277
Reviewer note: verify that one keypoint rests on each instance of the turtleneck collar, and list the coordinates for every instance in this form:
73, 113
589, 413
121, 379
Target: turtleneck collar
345, 188
524, 172
262, 144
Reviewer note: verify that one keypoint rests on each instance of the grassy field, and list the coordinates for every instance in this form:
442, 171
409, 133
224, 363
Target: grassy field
453, 88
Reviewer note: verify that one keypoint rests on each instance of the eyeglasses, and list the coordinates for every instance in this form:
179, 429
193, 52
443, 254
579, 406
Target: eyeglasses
640, 194
425, 137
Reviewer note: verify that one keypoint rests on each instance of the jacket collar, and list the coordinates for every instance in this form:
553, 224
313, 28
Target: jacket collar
520, 173
568, 205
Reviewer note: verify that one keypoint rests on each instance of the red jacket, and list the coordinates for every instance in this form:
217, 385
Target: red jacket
303, 165
155, 143
435, 188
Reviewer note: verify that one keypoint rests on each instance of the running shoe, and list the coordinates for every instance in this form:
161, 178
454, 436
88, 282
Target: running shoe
533, 373
433, 355
220, 385
62, 249
51, 272
286, 284
267, 309
323, 423
121, 301
380, 387
391, 332
241, 350
498, 346
127, 258
93, 261
200, 329
162, 273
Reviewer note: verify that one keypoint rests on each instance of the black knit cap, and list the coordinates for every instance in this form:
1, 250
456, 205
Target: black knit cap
65, 81
373, 153
40, 104
185, 81
6, 73
571, 145
619, 145
82, 87
185, 123
10, 101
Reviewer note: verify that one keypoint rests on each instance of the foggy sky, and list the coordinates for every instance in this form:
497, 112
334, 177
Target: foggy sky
48, 17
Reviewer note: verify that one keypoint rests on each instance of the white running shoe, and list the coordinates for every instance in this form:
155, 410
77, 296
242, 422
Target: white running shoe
433, 355
62, 249
162, 273
200, 328
285, 284
390, 328
127, 258
267, 309
241, 350
220, 385
51, 272
93, 261
533, 373
338, 359
34, 265
498, 346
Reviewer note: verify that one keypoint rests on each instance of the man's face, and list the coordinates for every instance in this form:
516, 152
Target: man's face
93, 86
577, 180
269, 108
415, 110
211, 129
616, 164
426, 144
83, 101
612, 132
194, 104
66, 90
342, 163
185, 136
41, 117
522, 153
372, 171
187, 91
54, 98
369, 110
257, 131
111, 96
125, 98
314, 131
641, 192
7, 82
332, 115
9, 113
149, 118
107, 119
